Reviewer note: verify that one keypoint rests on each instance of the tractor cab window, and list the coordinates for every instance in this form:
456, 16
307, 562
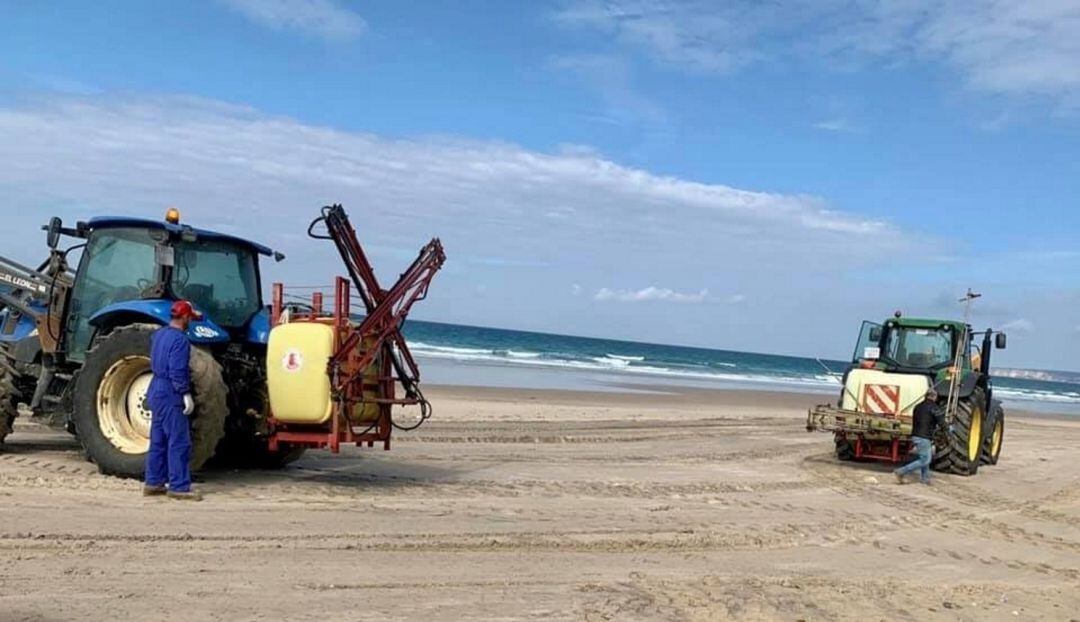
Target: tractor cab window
975, 356
869, 340
220, 278
920, 348
116, 266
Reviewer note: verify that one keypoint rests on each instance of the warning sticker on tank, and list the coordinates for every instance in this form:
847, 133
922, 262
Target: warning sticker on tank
293, 361
881, 399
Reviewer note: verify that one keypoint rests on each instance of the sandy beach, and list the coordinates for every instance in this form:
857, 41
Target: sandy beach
537, 504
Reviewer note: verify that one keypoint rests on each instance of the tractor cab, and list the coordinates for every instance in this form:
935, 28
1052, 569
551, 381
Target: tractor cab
134, 267
934, 348
905, 345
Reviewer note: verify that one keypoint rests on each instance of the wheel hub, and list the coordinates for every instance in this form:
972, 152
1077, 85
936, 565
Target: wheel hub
123, 411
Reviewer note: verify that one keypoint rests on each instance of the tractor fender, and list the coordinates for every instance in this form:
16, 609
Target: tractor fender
155, 311
966, 388
258, 331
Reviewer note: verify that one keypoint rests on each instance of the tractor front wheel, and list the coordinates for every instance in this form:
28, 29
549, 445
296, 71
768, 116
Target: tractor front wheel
111, 414
9, 393
959, 448
845, 449
994, 440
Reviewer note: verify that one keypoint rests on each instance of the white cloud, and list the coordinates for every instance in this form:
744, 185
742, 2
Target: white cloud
701, 36
1018, 326
323, 18
237, 170
835, 125
153, 148
735, 299
611, 77
1019, 48
649, 294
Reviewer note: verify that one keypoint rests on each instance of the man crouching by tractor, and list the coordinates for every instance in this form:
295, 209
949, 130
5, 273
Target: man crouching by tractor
925, 421
171, 403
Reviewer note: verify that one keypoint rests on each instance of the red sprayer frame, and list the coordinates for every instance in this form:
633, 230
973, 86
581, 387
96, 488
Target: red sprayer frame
375, 340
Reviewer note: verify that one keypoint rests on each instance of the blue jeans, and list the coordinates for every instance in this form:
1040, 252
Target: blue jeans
924, 448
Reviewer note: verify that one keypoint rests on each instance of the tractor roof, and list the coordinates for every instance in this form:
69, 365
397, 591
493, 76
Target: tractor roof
911, 322
111, 222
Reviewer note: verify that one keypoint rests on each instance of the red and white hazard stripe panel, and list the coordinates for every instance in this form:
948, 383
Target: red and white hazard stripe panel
881, 399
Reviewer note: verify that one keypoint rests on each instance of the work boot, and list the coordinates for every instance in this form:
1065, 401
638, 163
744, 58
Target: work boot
153, 491
186, 495
899, 478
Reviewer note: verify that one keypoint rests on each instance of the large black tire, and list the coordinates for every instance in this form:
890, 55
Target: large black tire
995, 438
9, 393
114, 365
245, 445
211, 406
959, 449
845, 449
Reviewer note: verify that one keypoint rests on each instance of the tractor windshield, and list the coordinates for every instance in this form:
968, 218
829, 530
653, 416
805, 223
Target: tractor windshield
920, 348
220, 277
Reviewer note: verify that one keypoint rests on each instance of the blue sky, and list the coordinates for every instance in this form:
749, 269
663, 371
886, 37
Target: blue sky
743, 175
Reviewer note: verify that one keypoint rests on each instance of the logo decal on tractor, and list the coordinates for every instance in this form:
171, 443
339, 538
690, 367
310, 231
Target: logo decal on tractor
293, 361
881, 399
205, 332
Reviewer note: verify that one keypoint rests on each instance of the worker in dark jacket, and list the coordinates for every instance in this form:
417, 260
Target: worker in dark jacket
171, 403
923, 425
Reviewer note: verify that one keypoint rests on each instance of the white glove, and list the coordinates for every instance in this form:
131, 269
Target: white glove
189, 405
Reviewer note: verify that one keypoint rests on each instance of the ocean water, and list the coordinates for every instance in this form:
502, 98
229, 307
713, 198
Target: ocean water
469, 353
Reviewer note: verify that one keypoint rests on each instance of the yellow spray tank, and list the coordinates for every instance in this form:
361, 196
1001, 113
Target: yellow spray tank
298, 356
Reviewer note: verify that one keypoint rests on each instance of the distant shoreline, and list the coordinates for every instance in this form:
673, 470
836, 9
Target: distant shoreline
615, 393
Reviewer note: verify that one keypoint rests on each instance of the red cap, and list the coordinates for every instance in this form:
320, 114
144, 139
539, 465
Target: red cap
183, 308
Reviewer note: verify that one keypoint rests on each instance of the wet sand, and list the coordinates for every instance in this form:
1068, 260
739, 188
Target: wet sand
533, 504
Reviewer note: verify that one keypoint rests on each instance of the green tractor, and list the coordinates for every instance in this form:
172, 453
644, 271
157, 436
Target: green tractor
893, 367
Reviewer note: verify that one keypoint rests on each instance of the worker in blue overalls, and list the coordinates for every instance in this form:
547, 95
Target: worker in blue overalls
171, 403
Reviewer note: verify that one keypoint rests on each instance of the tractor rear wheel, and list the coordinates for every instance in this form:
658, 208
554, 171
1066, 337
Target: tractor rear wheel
845, 449
111, 414
996, 437
9, 393
959, 448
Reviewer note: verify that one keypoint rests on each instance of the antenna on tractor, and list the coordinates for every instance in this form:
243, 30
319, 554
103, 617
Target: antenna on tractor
961, 347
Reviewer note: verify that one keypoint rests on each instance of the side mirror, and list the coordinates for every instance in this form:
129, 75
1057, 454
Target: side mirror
52, 235
875, 334
1000, 340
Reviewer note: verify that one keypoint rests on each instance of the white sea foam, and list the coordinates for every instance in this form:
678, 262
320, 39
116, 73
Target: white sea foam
620, 364
608, 364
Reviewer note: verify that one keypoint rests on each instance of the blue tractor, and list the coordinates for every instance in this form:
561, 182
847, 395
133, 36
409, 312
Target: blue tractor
74, 344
